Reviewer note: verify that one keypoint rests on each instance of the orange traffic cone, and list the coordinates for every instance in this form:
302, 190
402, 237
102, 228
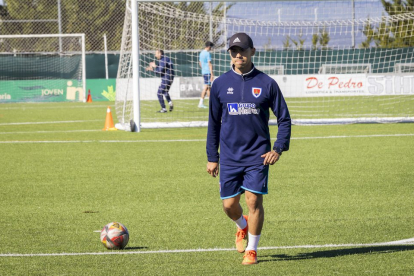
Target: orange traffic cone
89, 100
109, 123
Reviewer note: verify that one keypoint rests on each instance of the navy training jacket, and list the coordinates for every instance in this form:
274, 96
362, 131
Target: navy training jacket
239, 116
165, 69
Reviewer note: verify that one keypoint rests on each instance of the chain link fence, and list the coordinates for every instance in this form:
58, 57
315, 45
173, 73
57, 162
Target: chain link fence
95, 18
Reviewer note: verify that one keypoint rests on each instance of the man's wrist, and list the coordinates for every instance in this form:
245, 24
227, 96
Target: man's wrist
278, 150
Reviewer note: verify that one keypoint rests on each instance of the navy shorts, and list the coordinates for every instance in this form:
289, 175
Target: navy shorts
236, 180
207, 79
164, 87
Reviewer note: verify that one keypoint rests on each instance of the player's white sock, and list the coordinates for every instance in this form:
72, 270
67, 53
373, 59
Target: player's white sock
201, 101
241, 222
253, 242
170, 103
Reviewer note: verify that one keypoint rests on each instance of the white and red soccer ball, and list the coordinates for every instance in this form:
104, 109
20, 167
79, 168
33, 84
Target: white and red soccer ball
114, 235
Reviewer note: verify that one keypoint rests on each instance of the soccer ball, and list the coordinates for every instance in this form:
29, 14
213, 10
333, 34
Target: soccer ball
114, 235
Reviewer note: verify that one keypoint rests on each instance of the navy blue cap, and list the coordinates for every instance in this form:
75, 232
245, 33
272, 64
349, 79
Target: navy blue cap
241, 40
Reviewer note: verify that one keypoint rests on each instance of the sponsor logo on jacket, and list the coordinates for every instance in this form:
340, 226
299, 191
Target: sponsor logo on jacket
242, 109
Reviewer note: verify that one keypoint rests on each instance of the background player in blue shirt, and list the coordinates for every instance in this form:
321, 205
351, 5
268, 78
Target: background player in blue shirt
240, 101
165, 70
206, 71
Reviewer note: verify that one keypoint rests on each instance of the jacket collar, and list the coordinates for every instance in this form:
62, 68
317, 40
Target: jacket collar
247, 75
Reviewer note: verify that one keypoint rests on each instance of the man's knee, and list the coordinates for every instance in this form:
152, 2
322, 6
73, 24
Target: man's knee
254, 201
231, 205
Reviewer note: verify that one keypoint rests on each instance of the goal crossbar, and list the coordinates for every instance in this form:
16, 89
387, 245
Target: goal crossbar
327, 68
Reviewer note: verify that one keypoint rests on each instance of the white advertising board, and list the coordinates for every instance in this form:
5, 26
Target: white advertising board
300, 86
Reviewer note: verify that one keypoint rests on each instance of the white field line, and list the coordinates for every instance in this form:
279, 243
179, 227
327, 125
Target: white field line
44, 123
354, 136
51, 107
197, 140
122, 252
51, 131
101, 141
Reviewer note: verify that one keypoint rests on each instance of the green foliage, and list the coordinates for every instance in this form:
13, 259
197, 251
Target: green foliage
286, 43
92, 17
315, 39
176, 31
320, 40
298, 42
322, 37
398, 34
268, 45
27, 10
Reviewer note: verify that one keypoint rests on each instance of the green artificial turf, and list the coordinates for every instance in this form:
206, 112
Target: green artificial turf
62, 179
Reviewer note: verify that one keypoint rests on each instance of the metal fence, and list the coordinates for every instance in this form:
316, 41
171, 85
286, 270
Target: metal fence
95, 18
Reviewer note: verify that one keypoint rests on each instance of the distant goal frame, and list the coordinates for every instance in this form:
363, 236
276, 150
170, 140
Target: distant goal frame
83, 49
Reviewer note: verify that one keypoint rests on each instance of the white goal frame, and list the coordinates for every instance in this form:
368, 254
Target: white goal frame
398, 67
81, 36
135, 59
365, 66
279, 70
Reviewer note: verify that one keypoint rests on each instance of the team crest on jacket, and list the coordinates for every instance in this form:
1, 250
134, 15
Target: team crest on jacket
256, 92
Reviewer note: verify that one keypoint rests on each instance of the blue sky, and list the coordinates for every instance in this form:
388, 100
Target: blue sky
326, 10
306, 11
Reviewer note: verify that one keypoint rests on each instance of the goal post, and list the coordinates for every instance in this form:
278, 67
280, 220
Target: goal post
42, 67
353, 65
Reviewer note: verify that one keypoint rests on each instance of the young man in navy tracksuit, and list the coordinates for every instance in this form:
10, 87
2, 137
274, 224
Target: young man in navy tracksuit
165, 70
238, 124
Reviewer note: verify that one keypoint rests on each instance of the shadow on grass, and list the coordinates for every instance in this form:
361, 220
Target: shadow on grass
338, 253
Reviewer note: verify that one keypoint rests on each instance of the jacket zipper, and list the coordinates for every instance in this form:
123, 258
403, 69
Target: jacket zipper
242, 90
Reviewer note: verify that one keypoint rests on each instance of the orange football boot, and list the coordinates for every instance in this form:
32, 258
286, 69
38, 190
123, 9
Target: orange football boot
250, 257
241, 238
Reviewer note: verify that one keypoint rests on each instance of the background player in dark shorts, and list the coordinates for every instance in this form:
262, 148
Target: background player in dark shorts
165, 70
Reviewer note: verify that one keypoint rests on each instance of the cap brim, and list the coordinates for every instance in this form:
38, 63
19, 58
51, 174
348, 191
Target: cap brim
244, 48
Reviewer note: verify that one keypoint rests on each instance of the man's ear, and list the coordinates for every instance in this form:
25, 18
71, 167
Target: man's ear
253, 51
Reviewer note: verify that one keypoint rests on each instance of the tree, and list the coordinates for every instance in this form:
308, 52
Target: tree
29, 10
299, 42
179, 25
168, 25
286, 43
394, 34
315, 39
92, 17
322, 37
268, 45
3, 9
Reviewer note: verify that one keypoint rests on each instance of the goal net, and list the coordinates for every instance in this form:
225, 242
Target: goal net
335, 61
42, 68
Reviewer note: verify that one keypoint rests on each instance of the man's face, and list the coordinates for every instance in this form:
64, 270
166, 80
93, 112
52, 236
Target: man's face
241, 58
158, 54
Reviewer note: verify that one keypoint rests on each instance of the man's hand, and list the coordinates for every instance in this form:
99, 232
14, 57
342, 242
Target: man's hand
151, 66
213, 168
270, 157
